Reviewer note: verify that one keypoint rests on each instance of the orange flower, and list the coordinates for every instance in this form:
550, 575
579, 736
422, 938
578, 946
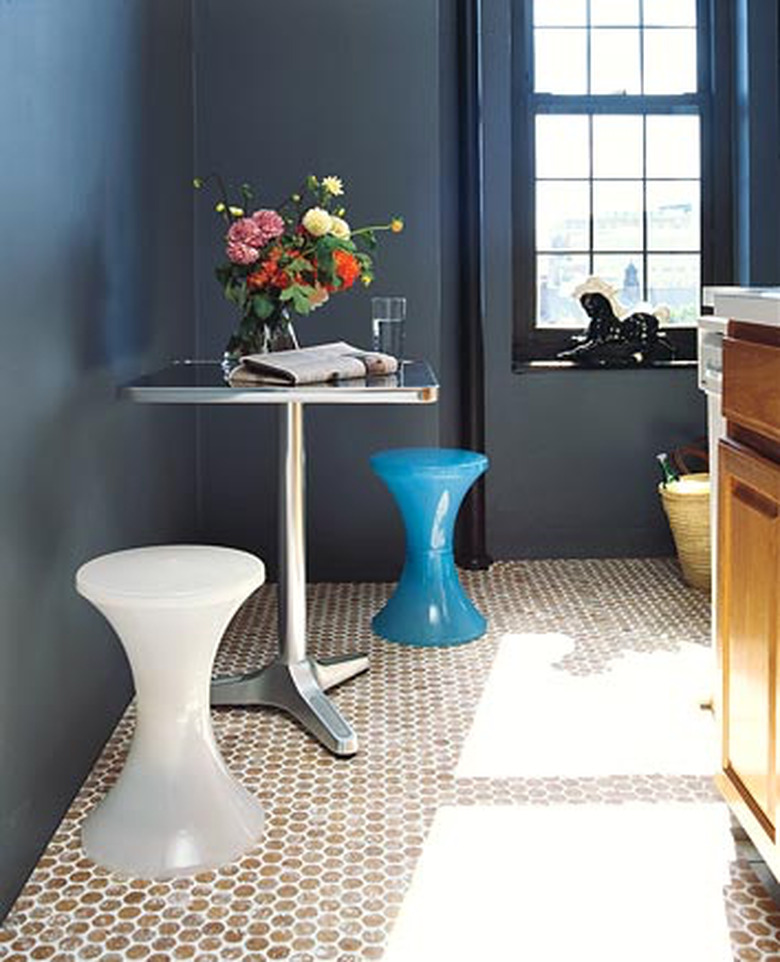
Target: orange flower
267, 273
347, 268
258, 279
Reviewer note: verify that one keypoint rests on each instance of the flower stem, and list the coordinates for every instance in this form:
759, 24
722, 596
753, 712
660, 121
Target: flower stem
365, 230
223, 195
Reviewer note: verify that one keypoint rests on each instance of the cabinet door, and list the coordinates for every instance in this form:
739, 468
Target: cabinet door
748, 625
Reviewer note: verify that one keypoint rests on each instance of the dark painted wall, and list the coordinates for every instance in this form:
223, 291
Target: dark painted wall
346, 88
95, 285
374, 98
757, 117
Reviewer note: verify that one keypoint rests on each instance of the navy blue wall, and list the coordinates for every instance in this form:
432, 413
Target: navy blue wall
757, 119
374, 98
95, 285
351, 89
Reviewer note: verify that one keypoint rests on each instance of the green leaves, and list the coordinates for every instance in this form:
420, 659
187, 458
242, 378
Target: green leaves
298, 264
247, 195
367, 237
224, 273
326, 267
234, 287
262, 306
366, 264
300, 297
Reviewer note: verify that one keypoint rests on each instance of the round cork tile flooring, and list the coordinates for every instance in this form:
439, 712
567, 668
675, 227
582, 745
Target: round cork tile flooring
343, 836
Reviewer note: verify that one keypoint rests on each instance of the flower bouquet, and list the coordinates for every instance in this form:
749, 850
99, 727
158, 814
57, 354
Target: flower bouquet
288, 259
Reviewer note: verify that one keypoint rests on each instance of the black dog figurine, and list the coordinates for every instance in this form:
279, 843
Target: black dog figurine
635, 341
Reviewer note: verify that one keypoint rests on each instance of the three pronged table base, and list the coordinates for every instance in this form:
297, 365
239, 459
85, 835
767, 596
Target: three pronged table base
293, 681
298, 689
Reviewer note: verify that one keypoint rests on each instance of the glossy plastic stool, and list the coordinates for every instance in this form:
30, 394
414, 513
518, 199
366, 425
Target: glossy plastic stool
429, 606
175, 808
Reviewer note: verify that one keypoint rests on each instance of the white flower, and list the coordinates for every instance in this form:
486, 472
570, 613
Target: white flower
333, 185
319, 297
317, 221
339, 228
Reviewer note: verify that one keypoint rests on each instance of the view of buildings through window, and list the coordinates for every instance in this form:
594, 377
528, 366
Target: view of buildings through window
617, 154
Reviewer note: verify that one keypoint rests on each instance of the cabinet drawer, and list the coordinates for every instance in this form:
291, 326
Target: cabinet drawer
751, 386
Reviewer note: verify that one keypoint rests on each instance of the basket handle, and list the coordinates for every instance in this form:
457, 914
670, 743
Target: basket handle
697, 450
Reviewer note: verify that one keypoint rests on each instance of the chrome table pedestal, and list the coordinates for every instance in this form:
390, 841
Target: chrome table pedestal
293, 681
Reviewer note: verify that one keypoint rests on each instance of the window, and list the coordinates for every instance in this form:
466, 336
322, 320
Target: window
612, 108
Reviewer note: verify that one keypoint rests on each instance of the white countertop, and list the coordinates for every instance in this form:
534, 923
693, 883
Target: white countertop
761, 305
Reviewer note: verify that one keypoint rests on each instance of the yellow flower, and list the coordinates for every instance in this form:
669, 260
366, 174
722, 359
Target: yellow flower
333, 185
235, 211
397, 225
317, 221
365, 280
339, 228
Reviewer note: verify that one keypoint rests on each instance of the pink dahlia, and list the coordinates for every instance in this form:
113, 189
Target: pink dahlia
240, 253
269, 223
245, 231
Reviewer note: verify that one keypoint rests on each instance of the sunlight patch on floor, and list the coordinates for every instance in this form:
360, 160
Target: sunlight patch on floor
641, 716
553, 884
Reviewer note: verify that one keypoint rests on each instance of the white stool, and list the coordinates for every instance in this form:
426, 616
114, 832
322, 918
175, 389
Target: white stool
175, 808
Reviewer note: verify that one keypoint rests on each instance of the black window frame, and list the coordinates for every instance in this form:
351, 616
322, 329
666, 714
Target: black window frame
712, 103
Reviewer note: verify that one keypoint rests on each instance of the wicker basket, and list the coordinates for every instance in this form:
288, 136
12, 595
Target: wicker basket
689, 518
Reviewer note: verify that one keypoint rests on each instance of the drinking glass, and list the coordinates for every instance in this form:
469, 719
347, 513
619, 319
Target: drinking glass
387, 325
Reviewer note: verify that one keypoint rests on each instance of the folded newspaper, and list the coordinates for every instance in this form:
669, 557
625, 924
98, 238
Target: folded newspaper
312, 365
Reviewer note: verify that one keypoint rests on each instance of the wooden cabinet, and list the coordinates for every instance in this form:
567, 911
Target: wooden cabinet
749, 588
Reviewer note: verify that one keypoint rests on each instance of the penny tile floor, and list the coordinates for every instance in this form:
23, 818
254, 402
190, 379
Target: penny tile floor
543, 793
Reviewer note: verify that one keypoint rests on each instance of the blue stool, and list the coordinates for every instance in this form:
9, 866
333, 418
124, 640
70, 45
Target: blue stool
429, 606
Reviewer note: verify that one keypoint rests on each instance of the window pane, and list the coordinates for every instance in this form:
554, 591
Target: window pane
562, 146
673, 215
562, 215
668, 13
673, 146
556, 277
674, 280
617, 215
614, 13
560, 13
617, 146
624, 273
560, 61
614, 65
670, 61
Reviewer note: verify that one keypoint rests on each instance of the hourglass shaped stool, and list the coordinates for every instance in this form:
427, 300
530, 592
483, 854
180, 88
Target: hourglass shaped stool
429, 606
175, 808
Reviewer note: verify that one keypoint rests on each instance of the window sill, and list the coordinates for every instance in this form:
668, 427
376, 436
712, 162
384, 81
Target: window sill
539, 367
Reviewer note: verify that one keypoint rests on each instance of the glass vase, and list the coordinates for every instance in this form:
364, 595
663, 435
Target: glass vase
256, 335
